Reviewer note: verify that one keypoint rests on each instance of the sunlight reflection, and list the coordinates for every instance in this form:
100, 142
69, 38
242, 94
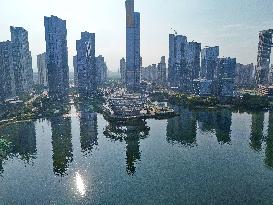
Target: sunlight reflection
80, 184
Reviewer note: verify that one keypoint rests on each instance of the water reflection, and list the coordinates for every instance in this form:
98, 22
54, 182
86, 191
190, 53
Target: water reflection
256, 135
223, 124
269, 142
182, 129
88, 129
61, 144
19, 140
218, 122
132, 134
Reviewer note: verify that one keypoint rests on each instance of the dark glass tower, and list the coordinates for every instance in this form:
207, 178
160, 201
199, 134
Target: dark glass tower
132, 77
57, 56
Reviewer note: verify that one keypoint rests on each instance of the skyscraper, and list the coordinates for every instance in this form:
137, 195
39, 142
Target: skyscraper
86, 64
57, 56
162, 71
21, 60
42, 70
225, 76
122, 70
132, 46
7, 81
264, 53
101, 69
209, 57
177, 60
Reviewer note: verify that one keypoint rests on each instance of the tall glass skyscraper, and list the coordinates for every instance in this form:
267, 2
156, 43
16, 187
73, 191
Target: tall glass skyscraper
132, 46
57, 56
22, 60
86, 64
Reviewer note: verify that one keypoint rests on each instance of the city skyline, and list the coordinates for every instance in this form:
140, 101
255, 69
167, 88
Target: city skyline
233, 25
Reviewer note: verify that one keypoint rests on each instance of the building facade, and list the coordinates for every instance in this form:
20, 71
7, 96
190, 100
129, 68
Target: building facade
133, 60
244, 75
263, 59
57, 56
225, 77
102, 70
209, 56
86, 64
122, 70
21, 60
162, 71
177, 59
7, 80
42, 70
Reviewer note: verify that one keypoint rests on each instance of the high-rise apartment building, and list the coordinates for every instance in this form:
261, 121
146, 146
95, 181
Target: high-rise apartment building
102, 70
133, 60
209, 57
7, 81
21, 60
177, 60
244, 75
122, 70
263, 59
57, 56
225, 77
162, 71
42, 70
86, 64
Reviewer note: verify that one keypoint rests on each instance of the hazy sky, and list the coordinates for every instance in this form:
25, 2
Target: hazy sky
231, 24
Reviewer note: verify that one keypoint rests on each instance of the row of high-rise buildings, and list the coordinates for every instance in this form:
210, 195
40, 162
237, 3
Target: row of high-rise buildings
53, 71
16, 77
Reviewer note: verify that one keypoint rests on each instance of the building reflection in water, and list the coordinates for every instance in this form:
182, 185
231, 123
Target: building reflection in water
21, 138
88, 130
223, 125
218, 122
269, 142
257, 126
182, 129
132, 134
61, 144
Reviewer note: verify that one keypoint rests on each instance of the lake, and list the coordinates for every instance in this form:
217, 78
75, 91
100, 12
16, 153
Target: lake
200, 157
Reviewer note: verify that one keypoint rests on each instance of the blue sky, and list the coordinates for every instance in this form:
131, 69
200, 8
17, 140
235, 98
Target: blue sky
231, 24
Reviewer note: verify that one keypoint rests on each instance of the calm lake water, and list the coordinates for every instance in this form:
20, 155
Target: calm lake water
200, 157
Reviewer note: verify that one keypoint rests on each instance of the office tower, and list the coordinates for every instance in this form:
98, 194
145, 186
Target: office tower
122, 70
133, 60
57, 57
162, 71
86, 64
177, 60
75, 71
21, 60
263, 59
209, 57
192, 70
244, 75
225, 76
149, 73
193, 59
102, 70
42, 70
7, 81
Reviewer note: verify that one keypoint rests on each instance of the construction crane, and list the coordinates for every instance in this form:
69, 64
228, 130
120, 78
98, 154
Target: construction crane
175, 32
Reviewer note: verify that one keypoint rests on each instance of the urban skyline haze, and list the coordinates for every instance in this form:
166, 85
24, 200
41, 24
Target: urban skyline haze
233, 25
